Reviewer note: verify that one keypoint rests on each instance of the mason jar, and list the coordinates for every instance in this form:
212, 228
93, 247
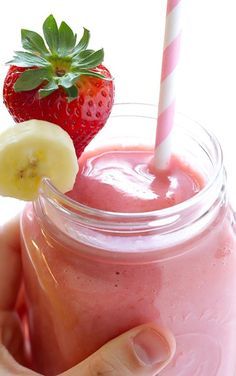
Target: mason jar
90, 274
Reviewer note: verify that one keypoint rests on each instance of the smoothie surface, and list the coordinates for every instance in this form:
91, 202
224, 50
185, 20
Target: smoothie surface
123, 180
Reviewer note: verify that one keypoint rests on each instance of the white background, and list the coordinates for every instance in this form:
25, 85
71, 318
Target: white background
131, 31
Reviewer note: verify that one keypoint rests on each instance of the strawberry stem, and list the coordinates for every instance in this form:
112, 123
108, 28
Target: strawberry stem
60, 72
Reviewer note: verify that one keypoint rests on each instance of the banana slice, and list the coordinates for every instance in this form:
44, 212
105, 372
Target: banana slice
32, 150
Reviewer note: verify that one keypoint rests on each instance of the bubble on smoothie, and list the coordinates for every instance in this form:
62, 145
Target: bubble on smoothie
223, 252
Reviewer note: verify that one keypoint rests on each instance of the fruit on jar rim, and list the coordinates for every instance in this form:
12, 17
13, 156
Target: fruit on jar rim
61, 81
33, 150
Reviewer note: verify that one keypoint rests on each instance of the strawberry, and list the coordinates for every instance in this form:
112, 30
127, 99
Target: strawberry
60, 81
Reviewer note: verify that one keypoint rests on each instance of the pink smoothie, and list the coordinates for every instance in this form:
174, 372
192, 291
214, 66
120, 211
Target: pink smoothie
125, 181
79, 300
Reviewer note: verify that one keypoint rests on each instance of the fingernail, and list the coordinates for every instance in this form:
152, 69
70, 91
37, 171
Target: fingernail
150, 347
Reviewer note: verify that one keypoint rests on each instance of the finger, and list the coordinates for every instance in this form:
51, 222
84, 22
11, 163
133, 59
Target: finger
11, 335
143, 351
9, 367
10, 270
10, 264
10, 328
12, 346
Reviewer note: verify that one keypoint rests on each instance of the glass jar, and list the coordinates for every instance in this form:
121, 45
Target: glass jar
91, 275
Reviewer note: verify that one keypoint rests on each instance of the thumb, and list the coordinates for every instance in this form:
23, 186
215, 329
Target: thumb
142, 351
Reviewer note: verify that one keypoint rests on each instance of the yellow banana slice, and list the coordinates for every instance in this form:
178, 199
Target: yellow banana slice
32, 150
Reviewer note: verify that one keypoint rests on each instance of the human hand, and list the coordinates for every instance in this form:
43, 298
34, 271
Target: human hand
142, 351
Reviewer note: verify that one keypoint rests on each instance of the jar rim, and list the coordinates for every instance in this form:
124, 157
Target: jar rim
72, 207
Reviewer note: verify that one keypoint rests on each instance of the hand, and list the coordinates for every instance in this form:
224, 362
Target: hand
143, 351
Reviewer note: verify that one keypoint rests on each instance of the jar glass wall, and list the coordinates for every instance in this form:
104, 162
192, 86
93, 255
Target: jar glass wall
90, 275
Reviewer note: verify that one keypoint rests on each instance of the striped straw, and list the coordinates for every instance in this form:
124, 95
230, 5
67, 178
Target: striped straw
167, 99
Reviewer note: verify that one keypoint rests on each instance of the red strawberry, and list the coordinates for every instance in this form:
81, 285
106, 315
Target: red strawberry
64, 83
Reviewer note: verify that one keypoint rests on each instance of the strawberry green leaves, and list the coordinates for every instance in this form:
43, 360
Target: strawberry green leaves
58, 61
62, 40
68, 80
83, 43
31, 79
72, 93
90, 61
48, 89
33, 42
51, 33
67, 39
27, 59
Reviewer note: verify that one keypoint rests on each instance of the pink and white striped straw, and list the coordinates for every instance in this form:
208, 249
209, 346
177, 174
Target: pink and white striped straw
167, 98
